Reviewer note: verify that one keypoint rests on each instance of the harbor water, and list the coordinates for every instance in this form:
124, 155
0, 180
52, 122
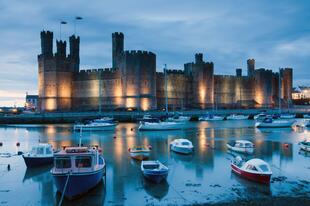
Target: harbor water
202, 177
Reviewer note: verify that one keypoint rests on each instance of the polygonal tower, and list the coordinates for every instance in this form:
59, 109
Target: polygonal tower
117, 48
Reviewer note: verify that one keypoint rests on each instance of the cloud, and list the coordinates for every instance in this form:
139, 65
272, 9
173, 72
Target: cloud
227, 32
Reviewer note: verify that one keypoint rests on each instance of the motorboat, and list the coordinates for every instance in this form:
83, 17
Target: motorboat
104, 120
154, 170
237, 117
255, 170
307, 116
305, 145
287, 116
95, 126
178, 118
40, 155
211, 117
161, 125
77, 170
260, 116
148, 118
139, 152
182, 146
274, 123
243, 146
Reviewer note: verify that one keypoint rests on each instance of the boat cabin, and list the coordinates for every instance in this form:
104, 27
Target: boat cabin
244, 144
76, 159
257, 165
42, 150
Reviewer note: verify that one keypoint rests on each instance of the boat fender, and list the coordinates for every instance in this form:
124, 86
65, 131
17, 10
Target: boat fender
100, 150
131, 129
1, 144
129, 149
9, 167
17, 144
286, 145
19, 153
150, 147
114, 137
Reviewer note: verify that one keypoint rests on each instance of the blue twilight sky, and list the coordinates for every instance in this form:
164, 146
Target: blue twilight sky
276, 33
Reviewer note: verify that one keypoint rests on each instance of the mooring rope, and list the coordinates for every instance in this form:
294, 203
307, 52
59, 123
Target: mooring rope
64, 190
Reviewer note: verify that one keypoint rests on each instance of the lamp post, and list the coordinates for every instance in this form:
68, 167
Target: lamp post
77, 18
61, 22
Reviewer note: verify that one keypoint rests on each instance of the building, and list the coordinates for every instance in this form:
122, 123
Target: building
31, 102
132, 82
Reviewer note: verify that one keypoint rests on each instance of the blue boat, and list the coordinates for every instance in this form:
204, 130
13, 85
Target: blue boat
154, 171
40, 155
77, 170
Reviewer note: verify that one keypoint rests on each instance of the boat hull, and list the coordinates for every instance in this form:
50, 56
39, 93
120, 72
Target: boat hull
211, 119
181, 150
94, 128
155, 176
273, 124
158, 127
37, 161
78, 184
260, 178
237, 117
140, 155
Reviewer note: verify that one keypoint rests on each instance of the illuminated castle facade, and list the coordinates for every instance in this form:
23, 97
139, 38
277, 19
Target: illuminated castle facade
133, 83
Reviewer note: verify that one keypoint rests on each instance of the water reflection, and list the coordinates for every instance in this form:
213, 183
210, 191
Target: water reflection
208, 165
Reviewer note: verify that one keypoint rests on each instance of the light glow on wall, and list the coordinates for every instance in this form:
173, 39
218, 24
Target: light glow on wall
50, 104
145, 104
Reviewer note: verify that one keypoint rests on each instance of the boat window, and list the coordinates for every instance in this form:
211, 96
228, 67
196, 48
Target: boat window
248, 145
185, 143
83, 161
151, 167
264, 168
64, 162
251, 167
40, 150
49, 151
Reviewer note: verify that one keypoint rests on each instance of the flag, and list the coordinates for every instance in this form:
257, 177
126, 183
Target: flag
63, 22
78, 18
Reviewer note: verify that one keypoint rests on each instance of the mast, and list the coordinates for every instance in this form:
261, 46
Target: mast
100, 101
166, 89
279, 91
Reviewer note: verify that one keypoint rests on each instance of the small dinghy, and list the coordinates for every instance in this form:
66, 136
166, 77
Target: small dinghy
255, 170
154, 171
40, 155
182, 146
139, 152
237, 117
161, 125
243, 146
211, 117
77, 170
305, 146
271, 123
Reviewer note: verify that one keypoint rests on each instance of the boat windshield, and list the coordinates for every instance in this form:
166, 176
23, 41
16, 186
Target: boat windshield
83, 161
64, 162
248, 145
48, 150
39, 150
185, 143
251, 167
151, 167
264, 168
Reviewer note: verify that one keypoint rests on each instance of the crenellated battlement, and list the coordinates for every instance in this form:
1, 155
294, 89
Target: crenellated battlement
138, 53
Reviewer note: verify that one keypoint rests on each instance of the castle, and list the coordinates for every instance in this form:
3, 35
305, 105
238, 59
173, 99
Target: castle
133, 83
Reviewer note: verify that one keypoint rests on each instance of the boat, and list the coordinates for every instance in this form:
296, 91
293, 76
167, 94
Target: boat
178, 118
306, 116
161, 125
77, 170
182, 146
255, 170
139, 152
287, 116
154, 170
237, 117
211, 117
274, 123
104, 120
305, 145
243, 146
95, 126
148, 118
260, 116
40, 155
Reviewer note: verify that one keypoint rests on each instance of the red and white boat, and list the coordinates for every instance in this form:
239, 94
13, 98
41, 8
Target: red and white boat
255, 170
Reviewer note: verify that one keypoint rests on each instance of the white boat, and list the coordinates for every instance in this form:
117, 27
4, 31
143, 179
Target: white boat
237, 117
93, 126
260, 116
304, 145
274, 123
148, 118
287, 116
104, 120
243, 146
161, 125
139, 152
255, 170
40, 155
211, 117
307, 116
154, 170
178, 118
183, 146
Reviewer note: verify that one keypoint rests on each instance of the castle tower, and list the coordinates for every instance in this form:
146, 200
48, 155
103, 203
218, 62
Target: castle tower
47, 43
286, 85
117, 48
61, 49
251, 67
74, 55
